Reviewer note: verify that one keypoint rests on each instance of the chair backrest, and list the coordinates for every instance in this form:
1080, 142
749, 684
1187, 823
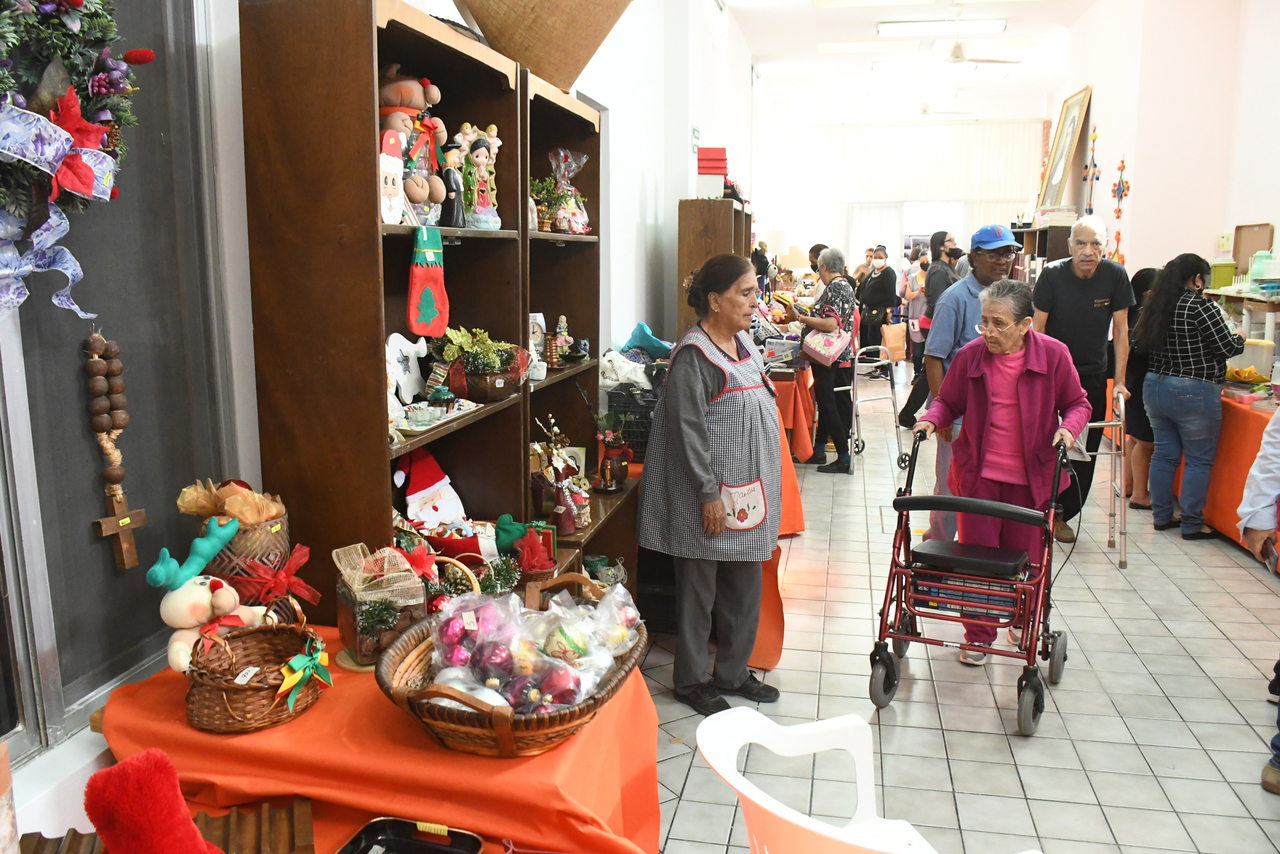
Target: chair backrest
772, 826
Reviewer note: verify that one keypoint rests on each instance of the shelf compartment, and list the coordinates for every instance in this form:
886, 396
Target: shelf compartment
554, 376
446, 427
560, 239
539, 88
419, 23
460, 233
603, 509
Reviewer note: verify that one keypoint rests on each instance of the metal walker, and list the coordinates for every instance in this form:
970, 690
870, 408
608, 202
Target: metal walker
856, 442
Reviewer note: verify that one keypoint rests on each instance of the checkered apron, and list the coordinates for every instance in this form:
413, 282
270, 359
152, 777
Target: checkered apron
742, 423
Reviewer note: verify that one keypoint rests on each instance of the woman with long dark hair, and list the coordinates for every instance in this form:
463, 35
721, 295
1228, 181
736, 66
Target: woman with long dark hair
1139, 441
878, 294
1187, 340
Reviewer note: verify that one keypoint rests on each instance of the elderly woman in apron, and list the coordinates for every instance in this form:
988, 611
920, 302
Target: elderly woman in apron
711, 492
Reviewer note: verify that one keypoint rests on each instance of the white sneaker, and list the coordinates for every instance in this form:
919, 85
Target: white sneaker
973, 658
1015, 636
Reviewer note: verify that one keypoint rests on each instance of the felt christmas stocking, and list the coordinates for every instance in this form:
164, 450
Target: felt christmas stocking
137, 806
428, 301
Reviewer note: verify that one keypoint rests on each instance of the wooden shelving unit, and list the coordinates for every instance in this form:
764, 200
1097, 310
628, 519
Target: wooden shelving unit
555, 376
330, 281
707, 227
1049, 242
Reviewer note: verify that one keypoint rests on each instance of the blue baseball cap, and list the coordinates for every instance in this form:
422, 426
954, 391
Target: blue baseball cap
993, 237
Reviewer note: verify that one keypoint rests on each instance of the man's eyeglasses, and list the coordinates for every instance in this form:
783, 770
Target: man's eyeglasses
1003, 254
984, 328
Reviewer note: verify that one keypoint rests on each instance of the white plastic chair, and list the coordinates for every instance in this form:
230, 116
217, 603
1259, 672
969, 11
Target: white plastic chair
774, 828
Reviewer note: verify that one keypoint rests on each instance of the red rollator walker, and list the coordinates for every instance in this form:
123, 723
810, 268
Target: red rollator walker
970, 584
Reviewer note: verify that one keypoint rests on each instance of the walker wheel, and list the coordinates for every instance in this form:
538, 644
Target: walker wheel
904, 461
1030, 703
859, 446
884, 684
906, 626
1057, 656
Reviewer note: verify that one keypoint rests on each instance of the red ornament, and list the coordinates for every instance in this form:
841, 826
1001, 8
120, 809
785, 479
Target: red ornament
137, 56
115, 191
436, 604
560, 685
451, 631
491, 661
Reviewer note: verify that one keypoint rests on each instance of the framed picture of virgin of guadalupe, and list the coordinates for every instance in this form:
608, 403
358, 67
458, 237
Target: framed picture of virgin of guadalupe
1070, 126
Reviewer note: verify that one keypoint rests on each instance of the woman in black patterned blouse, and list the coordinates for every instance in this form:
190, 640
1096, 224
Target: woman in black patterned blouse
834, 309
1189, 340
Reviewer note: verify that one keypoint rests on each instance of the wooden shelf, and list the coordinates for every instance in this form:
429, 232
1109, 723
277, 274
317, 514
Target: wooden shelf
446, 427
420, 22
557, 238
554, 375
567, 559
539, 88
602, 507
490, 233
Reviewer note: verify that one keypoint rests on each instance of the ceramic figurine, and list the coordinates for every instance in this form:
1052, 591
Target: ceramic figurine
404, 104
452, 212
563, 340
390, 173
478, 197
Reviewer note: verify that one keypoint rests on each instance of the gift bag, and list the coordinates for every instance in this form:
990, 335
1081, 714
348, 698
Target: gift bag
894, 338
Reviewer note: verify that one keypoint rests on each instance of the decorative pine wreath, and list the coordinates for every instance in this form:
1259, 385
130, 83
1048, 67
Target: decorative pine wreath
44, 49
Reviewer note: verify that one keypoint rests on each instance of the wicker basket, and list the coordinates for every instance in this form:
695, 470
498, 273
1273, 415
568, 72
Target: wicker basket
404, 675
215, 700
266, 542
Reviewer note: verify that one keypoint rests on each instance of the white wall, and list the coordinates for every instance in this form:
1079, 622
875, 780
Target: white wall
1254, 188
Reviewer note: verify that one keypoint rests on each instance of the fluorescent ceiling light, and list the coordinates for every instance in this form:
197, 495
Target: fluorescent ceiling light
867, 47
844, 4
940, 29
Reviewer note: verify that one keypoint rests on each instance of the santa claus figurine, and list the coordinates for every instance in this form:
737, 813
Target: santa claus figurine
432, 501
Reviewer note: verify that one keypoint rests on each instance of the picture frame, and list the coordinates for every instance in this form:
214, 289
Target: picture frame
1066, 137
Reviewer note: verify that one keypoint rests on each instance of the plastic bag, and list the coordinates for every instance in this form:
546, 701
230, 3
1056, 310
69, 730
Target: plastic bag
572, 215
616, 620
462, 679
467, 622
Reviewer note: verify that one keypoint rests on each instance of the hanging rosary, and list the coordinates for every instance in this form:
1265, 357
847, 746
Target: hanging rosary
108, 420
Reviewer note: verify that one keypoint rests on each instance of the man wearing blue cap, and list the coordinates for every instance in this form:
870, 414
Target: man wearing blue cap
956, 316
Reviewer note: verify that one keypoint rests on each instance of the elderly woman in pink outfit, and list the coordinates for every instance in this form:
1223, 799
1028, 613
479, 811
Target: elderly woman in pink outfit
1020, 395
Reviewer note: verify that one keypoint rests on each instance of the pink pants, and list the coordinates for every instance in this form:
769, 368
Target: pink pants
1001, 533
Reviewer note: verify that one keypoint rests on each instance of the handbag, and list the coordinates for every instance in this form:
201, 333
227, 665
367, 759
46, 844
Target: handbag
826, 348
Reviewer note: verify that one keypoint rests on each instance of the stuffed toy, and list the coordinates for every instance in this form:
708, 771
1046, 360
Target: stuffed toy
430, 498
200, 605
414, 99
137, 807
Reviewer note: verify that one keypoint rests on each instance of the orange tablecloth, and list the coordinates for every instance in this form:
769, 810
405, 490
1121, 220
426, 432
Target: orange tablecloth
772, 625
356, 755
1238, 445
795, 405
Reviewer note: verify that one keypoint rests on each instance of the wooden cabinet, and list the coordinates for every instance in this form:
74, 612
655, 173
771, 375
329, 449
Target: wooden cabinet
330, 282
707, 227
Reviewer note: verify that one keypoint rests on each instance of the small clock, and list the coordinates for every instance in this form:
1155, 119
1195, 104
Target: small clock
537, 335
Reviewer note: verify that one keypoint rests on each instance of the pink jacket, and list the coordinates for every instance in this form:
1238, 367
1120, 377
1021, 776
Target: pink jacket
1049, 388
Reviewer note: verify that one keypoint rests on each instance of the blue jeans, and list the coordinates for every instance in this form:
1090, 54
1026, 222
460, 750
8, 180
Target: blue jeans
1185, 416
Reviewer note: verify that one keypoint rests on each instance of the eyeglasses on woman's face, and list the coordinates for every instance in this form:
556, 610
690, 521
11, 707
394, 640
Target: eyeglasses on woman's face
994, 326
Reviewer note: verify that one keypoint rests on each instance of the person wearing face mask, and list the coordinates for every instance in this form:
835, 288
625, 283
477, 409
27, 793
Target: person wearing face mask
956, 316
1020, 395
878, 296
940, 275
814, 251
1079, 300
833, 310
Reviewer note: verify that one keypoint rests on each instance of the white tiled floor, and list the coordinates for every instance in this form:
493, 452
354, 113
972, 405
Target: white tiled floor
1153, 741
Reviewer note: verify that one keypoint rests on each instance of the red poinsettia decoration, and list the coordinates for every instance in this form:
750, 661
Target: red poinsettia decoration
423, 561
267, 584
74, 174
533, 553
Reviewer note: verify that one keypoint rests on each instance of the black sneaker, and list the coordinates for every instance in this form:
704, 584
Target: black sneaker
705, 699
840, 466
819, 458
753, 689
906, 421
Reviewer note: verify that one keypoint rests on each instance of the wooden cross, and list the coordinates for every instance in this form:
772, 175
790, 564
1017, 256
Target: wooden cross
120, 524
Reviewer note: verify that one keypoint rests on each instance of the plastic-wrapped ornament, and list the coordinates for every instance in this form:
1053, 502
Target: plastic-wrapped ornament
542, 709
488, 618
565, 643
560, 685
451, 632
457, 656
630, 616
435, 604
523, 692
525, 658
491, 663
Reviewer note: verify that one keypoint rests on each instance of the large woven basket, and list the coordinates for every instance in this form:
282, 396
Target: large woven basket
215, 700
266, 542
404, 675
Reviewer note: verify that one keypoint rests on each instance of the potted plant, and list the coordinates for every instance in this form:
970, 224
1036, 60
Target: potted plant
616, 456
547, 198
494, 369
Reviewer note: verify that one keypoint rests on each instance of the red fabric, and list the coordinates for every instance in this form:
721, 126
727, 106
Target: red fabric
1049, 386
533, 553
357, 756
268, 583
424, 474
137, 807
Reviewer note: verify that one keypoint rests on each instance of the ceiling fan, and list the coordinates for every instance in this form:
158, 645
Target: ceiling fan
926, 110
957, 55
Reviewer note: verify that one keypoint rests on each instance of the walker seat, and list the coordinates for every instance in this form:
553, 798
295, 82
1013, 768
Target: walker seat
986, 561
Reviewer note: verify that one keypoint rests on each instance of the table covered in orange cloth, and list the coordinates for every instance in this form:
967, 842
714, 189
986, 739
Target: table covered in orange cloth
795, 404
1238, 444
357, 755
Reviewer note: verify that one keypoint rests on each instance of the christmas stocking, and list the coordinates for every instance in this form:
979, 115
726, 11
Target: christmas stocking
428, 302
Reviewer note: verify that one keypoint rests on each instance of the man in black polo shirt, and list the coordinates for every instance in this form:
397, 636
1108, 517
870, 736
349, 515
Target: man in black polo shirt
1079, 300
